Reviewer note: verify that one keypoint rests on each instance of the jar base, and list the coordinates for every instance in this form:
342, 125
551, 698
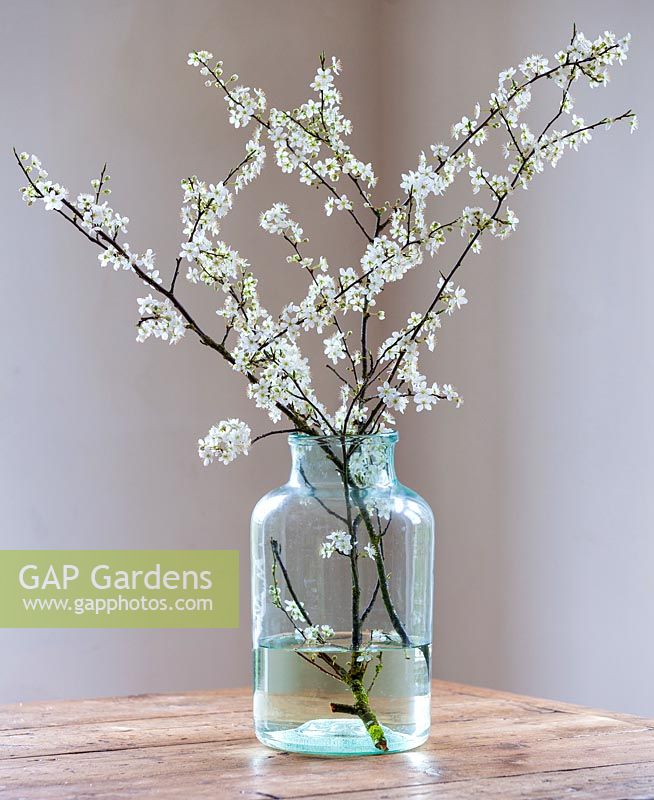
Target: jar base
336, 737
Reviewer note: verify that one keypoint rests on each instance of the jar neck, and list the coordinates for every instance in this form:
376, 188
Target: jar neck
323, 461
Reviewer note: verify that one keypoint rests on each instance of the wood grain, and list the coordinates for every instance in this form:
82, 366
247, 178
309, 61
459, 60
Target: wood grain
484, 744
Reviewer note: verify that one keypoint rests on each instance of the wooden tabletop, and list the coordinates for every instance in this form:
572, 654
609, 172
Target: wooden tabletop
484, 744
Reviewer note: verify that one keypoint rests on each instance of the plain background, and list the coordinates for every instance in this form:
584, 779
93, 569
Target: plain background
541, 484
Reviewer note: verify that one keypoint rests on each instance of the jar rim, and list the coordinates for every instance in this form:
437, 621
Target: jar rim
307, 439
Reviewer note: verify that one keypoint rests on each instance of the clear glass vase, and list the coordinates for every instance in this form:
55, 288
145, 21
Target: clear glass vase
342, 566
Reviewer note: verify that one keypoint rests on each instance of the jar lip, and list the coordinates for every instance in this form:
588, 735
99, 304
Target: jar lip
306, 439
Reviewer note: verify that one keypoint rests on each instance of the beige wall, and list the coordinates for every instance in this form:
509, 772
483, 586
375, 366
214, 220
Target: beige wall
100, 433
540, 484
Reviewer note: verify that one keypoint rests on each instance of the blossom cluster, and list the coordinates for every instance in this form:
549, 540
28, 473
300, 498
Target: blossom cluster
336, 542
160, 319
341, 542
294, 610
225, 441
317, 633
276, 220
310, 634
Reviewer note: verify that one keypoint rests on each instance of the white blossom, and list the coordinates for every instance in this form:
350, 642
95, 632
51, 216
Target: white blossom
54, 195
336, 542
452, 395
276, 220
335, 347
533, 65
198, 57
370, 551
457, 299
327, 549
293, 610
425, 396
323, 80
225, 441
392, 397
342, 203
317, 633
159, 318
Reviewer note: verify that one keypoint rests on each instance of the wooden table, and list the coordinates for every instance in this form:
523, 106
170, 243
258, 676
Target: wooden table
484, 744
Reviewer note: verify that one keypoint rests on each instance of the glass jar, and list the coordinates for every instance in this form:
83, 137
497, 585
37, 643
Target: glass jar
342, 566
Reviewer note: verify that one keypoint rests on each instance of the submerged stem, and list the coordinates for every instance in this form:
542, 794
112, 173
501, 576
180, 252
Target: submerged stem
361, 708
